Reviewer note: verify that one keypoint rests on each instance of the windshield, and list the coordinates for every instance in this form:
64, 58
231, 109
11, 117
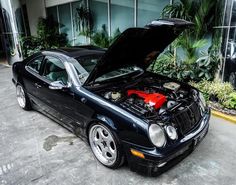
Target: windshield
118, 73
84, 66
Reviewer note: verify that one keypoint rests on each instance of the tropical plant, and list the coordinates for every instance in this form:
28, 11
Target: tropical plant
203, 13
102, 39
83, 21
48, 33
192, 64
169, 64
207, 65
47, 36
30, 45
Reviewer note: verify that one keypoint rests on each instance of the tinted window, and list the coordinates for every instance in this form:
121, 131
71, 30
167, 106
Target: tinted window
54, 70
35, 64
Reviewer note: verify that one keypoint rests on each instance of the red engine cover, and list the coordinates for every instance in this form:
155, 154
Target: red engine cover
154, 99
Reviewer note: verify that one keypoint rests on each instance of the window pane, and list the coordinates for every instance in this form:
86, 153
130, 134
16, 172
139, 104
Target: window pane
35, 64
55, 70
99, 13
65, 21
149, 10
19, 21
122, 14
88, 63
26, 20
78, 39
52, 11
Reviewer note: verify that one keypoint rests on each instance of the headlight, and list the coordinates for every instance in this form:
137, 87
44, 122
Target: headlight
171, 132
202, 99
157, 135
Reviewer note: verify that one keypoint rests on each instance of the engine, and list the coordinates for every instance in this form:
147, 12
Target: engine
148, 100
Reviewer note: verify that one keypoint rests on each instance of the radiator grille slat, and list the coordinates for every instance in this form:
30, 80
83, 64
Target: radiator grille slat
187, 118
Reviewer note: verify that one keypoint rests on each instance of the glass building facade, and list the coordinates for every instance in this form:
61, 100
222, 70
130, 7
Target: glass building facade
228, 68
114, 14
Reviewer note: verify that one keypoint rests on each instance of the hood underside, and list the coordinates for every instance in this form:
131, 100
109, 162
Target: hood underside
139, 46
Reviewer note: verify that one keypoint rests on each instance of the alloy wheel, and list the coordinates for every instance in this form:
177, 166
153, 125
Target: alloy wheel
20, 95
103, 145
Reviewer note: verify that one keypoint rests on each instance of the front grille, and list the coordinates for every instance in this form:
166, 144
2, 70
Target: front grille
187, 117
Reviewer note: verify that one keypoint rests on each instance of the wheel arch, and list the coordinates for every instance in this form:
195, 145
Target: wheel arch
104, 120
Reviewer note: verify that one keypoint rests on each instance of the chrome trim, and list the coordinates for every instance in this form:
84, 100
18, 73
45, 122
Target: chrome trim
191, 135
72, 73
135, 13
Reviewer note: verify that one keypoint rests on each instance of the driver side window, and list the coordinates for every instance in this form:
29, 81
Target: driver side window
54, 70
35, 64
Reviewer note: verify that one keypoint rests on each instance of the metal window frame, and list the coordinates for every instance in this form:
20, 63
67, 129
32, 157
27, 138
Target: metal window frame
109, 17
72, 25
135, 13
227, 37
58, 19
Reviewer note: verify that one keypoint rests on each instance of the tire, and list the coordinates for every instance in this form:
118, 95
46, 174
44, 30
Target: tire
105, 146
22, 98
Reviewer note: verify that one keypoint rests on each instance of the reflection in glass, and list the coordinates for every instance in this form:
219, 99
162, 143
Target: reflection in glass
122, 14
99, 12
149, 10
65, 21
78, 38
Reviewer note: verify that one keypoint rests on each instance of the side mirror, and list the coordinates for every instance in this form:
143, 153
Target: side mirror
57, 85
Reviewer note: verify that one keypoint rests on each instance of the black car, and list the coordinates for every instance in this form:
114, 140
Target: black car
110, 99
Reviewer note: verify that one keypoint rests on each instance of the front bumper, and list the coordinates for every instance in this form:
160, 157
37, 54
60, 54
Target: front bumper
159, 160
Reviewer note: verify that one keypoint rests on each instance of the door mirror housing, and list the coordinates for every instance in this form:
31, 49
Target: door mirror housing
57, 85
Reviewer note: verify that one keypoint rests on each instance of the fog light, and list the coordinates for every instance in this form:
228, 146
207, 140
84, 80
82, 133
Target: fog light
137, 153
171, 132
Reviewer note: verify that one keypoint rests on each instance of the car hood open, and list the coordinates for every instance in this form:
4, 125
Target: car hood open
139, 46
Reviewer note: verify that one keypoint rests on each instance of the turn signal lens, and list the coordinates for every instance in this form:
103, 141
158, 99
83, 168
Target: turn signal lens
137, 153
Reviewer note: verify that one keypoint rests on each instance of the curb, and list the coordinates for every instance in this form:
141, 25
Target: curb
224, 116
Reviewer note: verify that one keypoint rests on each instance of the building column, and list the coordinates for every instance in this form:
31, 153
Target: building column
10, 32
35, 10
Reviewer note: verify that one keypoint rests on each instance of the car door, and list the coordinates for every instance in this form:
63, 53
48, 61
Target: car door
59, 102
32, 78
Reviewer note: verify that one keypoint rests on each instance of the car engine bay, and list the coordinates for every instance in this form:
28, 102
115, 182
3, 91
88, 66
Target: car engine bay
149, 97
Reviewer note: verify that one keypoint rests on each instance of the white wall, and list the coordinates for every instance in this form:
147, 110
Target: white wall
49, 3
35, 9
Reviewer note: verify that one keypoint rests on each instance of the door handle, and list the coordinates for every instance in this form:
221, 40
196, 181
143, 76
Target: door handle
37, 85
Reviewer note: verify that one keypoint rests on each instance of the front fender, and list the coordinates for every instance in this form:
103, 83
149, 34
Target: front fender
125, 132
107, 121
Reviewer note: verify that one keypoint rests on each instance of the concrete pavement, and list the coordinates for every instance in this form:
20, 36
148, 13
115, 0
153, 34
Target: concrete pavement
36, 150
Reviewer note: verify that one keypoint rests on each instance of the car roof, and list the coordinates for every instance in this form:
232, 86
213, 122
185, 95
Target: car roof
79, 51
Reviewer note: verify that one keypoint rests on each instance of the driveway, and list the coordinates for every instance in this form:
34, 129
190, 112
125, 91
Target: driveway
36, 150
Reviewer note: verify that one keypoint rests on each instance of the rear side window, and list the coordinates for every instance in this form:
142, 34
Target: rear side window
35, 64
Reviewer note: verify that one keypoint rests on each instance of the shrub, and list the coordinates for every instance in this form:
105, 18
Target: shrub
170, 65
102, 39
48, 36
231, 101
221, 92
